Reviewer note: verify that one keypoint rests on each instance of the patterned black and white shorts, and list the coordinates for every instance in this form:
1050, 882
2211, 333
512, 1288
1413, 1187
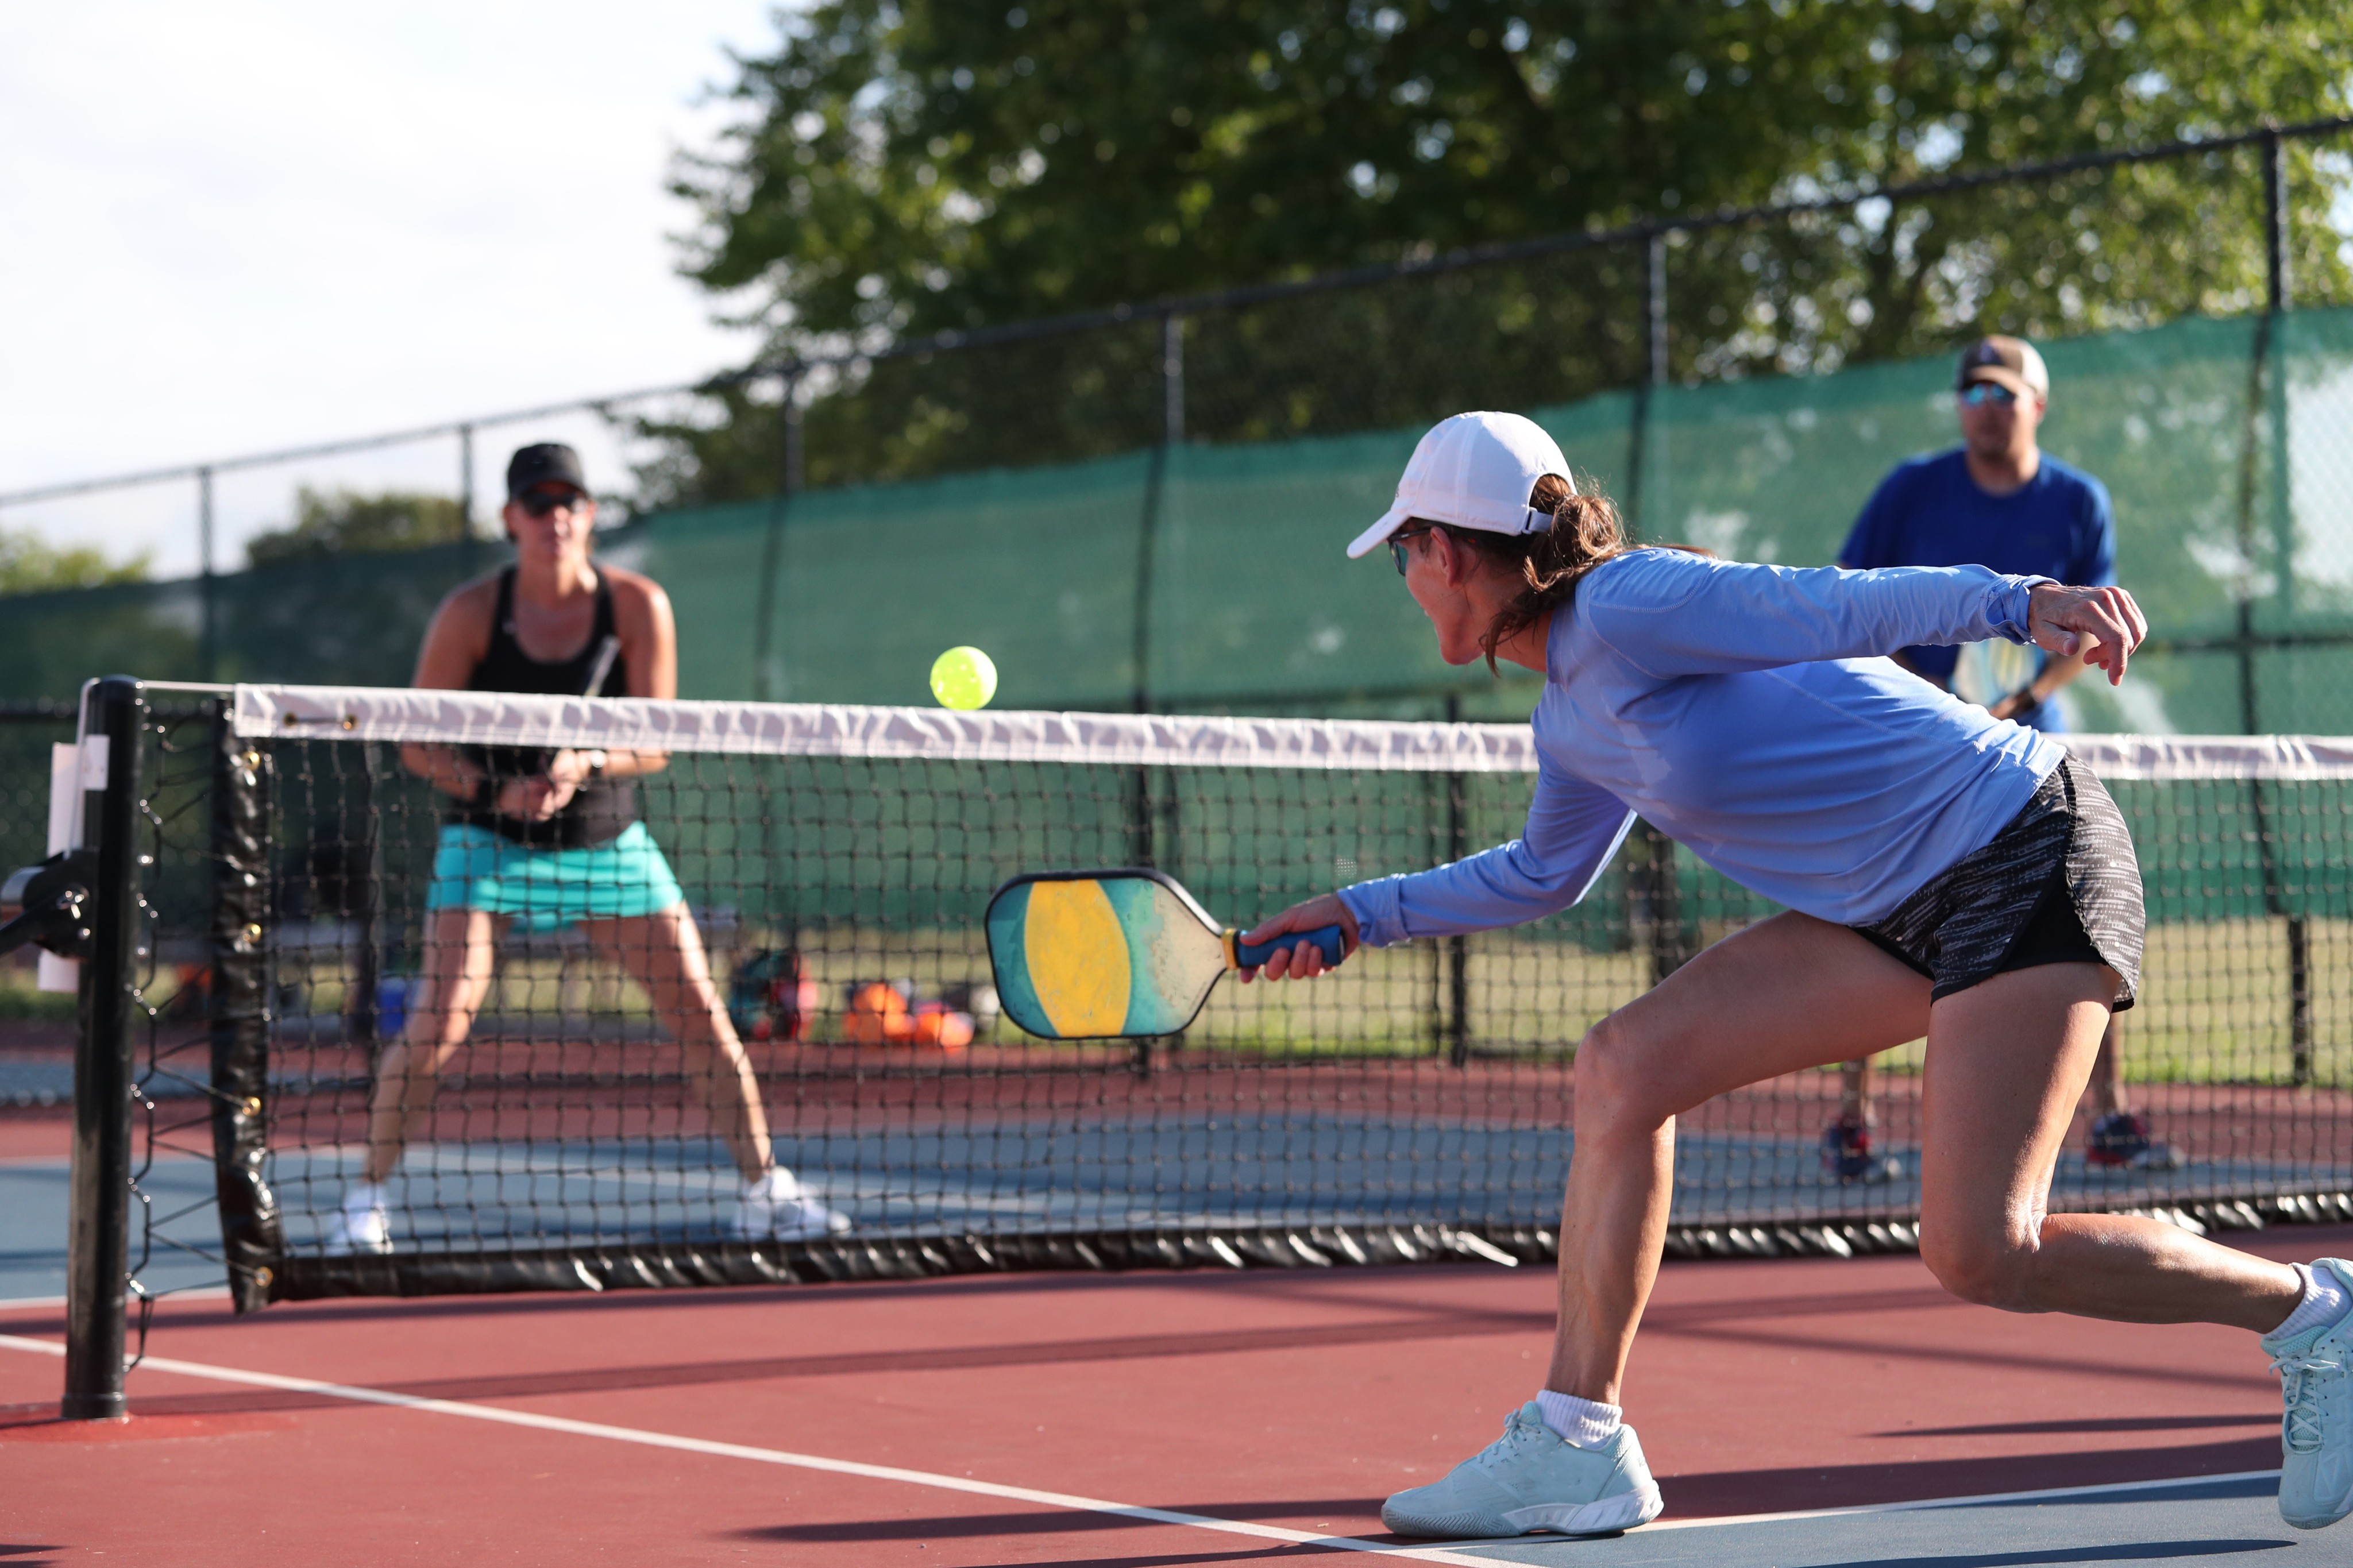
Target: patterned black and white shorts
2059, 885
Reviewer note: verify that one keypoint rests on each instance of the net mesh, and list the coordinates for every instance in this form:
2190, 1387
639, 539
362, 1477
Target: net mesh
592, 1127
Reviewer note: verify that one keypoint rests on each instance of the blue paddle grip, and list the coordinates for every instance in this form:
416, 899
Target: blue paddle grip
1327, 938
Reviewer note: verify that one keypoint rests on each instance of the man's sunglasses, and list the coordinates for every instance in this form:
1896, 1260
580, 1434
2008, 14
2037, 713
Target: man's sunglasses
1979, 393
539, 503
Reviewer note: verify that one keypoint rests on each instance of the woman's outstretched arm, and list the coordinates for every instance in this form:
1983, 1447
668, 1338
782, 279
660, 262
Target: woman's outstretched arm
1573, 830
1671, 614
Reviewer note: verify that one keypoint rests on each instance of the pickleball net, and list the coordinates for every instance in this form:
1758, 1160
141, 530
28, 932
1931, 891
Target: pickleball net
837, 862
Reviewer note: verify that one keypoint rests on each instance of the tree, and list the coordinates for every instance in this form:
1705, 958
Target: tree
912, 166
331, 523
30, 564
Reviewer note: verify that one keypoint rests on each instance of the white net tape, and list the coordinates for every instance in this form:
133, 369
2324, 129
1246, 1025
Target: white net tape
837, 730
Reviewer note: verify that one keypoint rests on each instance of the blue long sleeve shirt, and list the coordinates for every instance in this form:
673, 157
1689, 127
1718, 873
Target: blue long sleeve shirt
1749, 712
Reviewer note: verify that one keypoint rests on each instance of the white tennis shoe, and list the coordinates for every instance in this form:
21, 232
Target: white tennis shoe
363, 1226
2316, 1370
1531, 1480
776, 1208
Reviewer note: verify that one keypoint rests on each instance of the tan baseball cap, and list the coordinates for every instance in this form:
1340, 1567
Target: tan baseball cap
2007, 361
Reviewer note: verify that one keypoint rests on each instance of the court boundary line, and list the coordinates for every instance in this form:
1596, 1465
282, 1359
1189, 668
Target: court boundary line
501, 1416
1442, 1553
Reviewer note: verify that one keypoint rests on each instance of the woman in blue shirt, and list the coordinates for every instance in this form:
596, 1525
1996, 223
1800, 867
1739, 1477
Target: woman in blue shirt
1946, 873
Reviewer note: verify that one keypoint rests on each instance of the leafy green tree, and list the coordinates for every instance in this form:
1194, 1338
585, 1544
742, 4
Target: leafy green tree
333, 522
30, 564
912, 166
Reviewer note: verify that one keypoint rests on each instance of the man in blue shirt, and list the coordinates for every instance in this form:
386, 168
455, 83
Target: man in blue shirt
1998, 501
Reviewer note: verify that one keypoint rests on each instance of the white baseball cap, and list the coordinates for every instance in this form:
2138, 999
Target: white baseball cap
1474, 470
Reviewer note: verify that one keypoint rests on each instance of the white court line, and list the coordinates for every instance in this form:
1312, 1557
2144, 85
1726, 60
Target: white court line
503, 1416
1448, 1552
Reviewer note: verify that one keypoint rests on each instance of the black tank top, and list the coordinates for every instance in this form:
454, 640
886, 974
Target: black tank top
602, 809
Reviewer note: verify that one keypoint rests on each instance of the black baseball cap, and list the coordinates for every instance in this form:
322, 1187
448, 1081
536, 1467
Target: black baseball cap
549, 462
2006, 361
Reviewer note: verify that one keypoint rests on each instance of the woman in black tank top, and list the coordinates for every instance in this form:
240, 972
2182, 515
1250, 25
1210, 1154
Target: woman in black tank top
554, 839
602, 808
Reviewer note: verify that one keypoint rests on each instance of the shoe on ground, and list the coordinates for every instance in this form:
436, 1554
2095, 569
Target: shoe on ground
777, 1208
1531, 1480
2316, 1371
362, 1224
2121, 1142
1848, 1154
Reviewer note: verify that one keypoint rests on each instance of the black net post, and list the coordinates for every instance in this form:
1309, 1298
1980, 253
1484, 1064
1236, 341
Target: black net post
96, 1283
250, 1240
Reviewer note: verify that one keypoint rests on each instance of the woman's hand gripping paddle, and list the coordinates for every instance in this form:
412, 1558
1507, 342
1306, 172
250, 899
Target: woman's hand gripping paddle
1093, 955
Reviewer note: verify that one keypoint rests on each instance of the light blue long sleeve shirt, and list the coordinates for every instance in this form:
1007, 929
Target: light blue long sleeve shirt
1749, 712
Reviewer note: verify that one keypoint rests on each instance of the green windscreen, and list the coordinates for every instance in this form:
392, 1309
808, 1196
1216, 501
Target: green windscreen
1207, 576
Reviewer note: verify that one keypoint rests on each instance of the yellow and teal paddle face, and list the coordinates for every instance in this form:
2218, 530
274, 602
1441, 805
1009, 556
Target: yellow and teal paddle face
1102, 954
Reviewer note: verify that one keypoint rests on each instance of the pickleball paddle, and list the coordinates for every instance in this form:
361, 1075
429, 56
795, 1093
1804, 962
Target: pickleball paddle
1093, 955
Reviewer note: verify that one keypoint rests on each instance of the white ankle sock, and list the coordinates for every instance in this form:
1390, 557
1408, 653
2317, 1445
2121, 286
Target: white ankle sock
775, 1181
1579, 1421
364, 1195
2324, 1302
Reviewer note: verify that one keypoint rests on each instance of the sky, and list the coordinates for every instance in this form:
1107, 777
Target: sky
252, 224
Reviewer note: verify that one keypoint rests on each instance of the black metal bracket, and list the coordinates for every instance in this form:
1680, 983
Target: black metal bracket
54, 898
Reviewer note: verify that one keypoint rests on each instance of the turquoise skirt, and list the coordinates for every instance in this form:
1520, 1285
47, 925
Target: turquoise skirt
546, 889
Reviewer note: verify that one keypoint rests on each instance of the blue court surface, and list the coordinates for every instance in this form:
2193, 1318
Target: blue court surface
182, 1244
1106, 1174
1089, 1174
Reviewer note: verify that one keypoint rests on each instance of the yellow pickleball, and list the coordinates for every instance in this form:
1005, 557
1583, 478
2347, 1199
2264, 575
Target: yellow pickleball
963, 679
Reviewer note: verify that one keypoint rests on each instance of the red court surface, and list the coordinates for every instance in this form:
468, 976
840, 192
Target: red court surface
1294, 1401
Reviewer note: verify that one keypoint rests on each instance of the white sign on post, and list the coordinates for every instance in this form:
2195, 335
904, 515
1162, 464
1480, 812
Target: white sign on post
72, 770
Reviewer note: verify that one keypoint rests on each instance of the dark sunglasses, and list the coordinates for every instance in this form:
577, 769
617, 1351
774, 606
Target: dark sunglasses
539, 503
1398, 541
1977, 393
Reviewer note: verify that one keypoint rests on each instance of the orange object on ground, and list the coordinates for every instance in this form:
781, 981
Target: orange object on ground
936, 1023
879, 1015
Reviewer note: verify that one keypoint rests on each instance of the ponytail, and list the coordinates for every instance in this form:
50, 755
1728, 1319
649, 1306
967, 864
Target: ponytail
1585, 531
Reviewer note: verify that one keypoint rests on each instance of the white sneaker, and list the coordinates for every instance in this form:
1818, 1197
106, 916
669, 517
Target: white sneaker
363, 1226
2316, 1371
1529, 1479
776, 1208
